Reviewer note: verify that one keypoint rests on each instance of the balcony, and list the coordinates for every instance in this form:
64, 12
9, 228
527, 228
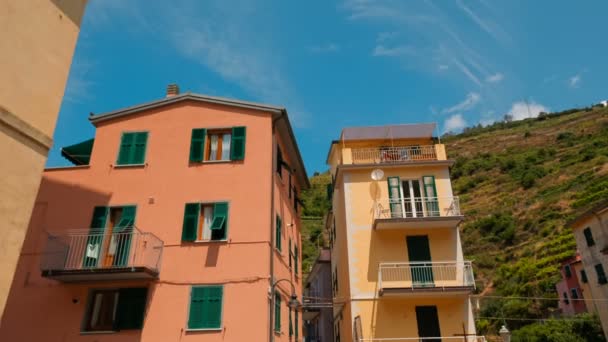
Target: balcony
88, 255
417, 212
393, 154
423, 278
468, 338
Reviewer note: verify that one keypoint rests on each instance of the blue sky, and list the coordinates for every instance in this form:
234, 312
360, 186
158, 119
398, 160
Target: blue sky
335, 64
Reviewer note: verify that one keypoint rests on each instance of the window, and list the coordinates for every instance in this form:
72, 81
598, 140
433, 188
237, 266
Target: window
206, 307
296, 254
567, 271
109, 240
277, 312
279, 169
337, 331
566, 298
588, 236
290, 324
574, 293
205, 221
217, 144
584, 276
132, 148
601, 276
290, 253
278, 237
297, 324
116, 309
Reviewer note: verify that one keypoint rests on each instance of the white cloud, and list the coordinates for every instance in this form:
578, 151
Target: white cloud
467, 72
575, 81
78, 88
523, 110
490, 27
327, 48
469, 102
454, 123
383, 51
443, 67
497, 77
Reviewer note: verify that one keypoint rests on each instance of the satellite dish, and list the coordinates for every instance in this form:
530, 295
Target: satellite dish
377, 174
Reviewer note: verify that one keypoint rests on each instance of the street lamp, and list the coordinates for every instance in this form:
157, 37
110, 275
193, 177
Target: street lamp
505, 334
292, 304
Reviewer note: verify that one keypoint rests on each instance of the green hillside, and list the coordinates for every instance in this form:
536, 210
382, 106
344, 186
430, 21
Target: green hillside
519, 183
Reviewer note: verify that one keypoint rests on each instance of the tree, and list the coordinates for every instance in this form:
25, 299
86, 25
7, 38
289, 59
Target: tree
508, 117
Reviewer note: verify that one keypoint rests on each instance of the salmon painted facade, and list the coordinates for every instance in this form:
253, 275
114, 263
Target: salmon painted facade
173, 225
398, 268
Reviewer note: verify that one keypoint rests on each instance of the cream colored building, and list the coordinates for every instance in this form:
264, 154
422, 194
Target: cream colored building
37, 40
591, 234
398, 268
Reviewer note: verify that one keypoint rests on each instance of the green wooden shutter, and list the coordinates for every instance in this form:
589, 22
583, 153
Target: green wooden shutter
584, 276
237, 145
213, 319
122, 236
290, 324
601, 275
139, 150
419, 251
394, 195
197, 144
126, 146
589, 236
278, 233
290, 253
297, 324
98, 225
277, 312
568, 271
131, 308
191, 214
220, 214
198, 297
430, 194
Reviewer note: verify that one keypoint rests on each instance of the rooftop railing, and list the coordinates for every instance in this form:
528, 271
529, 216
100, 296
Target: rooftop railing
425, 275
94, 250
393, 154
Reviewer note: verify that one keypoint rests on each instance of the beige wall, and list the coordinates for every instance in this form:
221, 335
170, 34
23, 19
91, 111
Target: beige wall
37, 40
593, 255
359, 249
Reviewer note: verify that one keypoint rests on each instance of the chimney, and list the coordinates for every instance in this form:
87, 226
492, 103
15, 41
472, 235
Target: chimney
172, 90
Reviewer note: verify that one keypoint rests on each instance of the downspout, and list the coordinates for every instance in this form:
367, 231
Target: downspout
272, 242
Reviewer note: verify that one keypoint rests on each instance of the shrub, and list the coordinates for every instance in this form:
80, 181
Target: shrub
564, 136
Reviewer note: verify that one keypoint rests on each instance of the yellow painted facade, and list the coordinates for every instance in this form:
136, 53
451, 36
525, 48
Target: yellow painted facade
593, 250
37, 40
381, 293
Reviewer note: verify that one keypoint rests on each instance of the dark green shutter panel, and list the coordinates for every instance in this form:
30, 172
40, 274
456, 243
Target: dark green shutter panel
418, 251
430, 193
589, 237
278, 233
330, 191
127, 219
100, 215
139, 151
197, 306
191, 214
98, 225
290, 324
126, 146
601, 275
197, 144
131, 308
297, 325
296, 253
220, 215
290, 253
394, 195
277, 312
237, 145
123, 241
584, 276
568, 271
213, 310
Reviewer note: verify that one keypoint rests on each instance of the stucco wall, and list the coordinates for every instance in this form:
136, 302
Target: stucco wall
160, 190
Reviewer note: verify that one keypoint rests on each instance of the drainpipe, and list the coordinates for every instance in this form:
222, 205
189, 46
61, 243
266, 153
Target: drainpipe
272, 242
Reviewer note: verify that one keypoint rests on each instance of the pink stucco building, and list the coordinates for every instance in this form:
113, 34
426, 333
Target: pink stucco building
172, 226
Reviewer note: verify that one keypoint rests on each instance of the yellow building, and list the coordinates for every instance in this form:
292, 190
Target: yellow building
591, 234
397, 262
37, 40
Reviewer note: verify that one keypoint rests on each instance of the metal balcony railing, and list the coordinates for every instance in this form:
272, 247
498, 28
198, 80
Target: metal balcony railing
469, 338
387, 208
90, 249
421, 275
394, 154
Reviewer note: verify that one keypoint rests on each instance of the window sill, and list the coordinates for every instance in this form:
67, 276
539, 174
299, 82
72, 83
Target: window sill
129, 166
211, 162
98, 332
205, 329
202, 242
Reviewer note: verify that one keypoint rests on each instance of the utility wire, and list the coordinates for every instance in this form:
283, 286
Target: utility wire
543, 298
